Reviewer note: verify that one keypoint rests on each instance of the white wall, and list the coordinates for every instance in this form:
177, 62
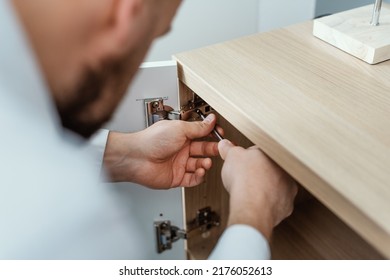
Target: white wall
278, 13
204, 22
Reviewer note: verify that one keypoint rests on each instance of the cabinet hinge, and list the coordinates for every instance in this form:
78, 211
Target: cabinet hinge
156, 110
167, 234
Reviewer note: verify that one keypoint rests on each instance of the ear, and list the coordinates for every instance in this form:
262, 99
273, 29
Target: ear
123, 27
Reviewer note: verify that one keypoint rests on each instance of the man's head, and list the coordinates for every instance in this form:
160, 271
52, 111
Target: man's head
90, 50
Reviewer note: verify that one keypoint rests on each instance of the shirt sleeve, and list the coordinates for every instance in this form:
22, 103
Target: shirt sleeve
241, 242
98, 144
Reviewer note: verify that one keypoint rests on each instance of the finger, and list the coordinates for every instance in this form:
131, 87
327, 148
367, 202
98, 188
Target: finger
204, 149
194, 130
254, 148
193, 179
217, 133
224, 146
220, 130
195, 163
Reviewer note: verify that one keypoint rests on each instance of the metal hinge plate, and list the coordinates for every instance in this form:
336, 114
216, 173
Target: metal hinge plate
167, 234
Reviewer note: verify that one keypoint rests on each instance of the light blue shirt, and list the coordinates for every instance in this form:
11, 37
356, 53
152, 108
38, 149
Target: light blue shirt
52, 205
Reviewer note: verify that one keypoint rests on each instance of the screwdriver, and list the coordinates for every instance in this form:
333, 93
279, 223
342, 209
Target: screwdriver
215, 132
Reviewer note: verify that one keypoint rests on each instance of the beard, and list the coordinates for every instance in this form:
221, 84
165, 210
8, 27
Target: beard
75, 113
86, 107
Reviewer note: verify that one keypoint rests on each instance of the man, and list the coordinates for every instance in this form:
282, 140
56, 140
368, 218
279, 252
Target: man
68, 64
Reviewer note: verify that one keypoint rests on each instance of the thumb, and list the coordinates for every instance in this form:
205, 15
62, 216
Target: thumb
200, 129
224, 146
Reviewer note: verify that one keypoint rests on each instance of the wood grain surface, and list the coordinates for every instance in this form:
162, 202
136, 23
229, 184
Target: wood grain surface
315, 233
321, 114
352, 32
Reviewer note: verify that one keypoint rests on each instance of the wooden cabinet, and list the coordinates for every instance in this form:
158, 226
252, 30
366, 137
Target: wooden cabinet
321, 114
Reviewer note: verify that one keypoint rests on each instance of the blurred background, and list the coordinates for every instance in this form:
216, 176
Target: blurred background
204, 22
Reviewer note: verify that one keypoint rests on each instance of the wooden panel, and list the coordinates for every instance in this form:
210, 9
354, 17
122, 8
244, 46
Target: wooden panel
352, 32
314, 233
320, 113
210, 193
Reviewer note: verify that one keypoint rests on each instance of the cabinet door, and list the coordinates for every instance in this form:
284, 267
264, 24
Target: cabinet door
312, 231
153, 80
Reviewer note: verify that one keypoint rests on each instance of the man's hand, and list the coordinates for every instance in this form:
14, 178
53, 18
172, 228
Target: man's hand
163, 156
261, 193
